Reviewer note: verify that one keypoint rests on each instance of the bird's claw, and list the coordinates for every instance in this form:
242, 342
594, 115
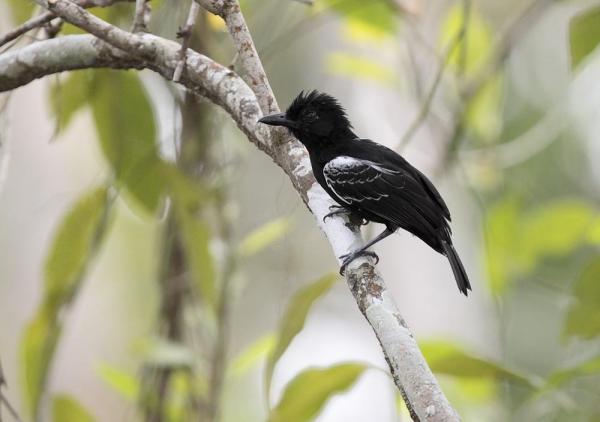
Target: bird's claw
349, 257
335, 210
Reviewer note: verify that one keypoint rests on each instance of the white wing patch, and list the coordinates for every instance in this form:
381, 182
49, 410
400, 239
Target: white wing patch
346, 170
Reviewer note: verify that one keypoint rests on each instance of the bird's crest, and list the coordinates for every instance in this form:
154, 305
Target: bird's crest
322, 104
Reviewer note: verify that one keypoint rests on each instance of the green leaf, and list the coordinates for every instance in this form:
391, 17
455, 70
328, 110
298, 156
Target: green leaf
66, 409
379, 16
120, 381
125, 125
194, 232
70, 249
307, 393
359, 68
594, 233
448, 359
69, 96
500, 228
264, 236
252, 355
484, 110
475, 47
294, 317
558, 378
584, 35
37, 347
518, 241
127, 133
77, 236
569, 222
359, 30
583, 318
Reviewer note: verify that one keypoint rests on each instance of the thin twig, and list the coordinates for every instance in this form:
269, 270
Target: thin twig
45, 18
424, 111
13, 412
32, 23
462, 59
513, 31
141, 17
185, 33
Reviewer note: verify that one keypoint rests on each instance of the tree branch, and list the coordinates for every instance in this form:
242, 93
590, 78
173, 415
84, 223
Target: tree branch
226, 89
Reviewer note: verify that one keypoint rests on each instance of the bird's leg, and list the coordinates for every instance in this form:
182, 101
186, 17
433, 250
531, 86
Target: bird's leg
336, 210
348, 258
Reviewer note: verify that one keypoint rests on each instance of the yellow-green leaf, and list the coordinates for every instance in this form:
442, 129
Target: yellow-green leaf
37, 347
484, 110
75, 240
307, 393
501, 226
562, 376
127, 133
70, 249
252, 355
359, 68
69, 96
475, 47
379, 15
583, 318
449, 359
66, 409
124, 383
584, 35
264, 236
555, 229
294, 317
518, 241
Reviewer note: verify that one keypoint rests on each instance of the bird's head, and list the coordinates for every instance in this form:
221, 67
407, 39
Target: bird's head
311, 117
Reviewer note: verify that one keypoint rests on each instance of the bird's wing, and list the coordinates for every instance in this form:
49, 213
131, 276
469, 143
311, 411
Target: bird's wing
392, 193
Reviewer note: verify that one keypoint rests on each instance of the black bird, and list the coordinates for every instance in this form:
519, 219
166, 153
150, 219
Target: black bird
368, 180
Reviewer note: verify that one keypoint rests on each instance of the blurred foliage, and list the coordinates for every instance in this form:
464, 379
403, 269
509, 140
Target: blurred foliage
469, 37
264, 236
66, 409
78, 235
470, 43
449, 359
540, 240
125, 126
293, 320
252, 355
377, 16
518, 240
584, 35
308, 392
127, 385
583, 318
359, 68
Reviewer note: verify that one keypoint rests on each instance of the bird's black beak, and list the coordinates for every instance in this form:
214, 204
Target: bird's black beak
278, 120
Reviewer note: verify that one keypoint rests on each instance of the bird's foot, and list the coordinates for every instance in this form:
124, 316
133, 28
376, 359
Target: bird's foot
348, 258
336, 210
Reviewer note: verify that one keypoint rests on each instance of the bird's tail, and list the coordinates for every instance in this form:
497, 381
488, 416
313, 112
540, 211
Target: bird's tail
462, 280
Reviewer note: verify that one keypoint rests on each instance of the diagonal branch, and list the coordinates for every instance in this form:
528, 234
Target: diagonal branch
411, 373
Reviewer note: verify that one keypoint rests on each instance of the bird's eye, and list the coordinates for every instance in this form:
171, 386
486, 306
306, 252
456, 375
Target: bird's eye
311, 116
